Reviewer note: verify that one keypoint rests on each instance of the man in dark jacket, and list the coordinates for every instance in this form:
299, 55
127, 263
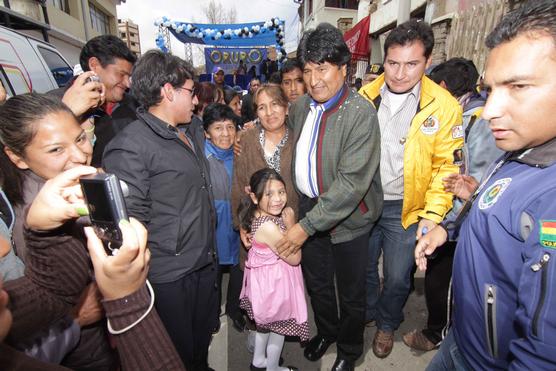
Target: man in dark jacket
170, 192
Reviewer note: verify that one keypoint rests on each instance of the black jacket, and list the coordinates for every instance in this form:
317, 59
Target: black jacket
169, 191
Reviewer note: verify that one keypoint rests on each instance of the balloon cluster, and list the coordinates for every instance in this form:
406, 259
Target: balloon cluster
160, 43
274, 25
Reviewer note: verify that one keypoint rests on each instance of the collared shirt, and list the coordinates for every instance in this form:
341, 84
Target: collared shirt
306, 149
395, 118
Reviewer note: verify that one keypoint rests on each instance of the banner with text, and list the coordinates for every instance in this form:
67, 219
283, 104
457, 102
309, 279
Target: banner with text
228, 58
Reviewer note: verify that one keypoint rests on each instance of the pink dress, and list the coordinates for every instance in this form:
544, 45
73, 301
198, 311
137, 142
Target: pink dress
273, 294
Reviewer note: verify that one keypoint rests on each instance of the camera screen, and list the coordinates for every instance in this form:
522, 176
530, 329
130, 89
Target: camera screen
98, 200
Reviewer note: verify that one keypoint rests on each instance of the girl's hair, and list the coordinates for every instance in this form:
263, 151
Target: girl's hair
229, 95
273, 91
206, 94
257, 183
18, 118
219, 95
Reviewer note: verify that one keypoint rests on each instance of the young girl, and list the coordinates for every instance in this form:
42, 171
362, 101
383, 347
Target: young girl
273, 293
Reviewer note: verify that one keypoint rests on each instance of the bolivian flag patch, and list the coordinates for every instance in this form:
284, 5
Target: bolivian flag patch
548, 233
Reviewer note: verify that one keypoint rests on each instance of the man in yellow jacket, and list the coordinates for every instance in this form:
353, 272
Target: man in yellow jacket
421, 132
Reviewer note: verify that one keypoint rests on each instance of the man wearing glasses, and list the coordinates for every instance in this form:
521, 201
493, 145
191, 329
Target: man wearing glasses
170, 192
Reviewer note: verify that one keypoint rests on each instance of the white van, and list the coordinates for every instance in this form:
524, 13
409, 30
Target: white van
28, 64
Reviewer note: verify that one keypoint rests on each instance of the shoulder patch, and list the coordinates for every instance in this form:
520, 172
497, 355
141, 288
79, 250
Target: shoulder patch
430, 125
493, 193
547, 233
457, 132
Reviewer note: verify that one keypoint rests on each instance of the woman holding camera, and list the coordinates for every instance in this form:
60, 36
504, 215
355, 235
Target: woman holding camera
142, 342
42, 138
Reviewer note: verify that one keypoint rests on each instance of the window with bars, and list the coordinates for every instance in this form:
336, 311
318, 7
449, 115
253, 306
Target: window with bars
344, 24
63, 5
343, 4
100, 21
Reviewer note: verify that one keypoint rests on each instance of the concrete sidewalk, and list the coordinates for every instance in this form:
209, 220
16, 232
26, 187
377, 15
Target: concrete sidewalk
228, 350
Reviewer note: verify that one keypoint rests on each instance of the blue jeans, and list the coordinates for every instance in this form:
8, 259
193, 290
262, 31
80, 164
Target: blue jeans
397, 246
448, 357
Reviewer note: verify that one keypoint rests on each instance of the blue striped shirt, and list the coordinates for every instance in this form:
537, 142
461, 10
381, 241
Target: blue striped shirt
306, 149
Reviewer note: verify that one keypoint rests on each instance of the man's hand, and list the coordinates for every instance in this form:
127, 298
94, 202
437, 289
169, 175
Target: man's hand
5, 314
288, 216
462, 186
5, 247
237, 143
249, 125
427, 244
425, 226
59, 200
124, 273
89, 310
292, 241
245, 238
83, 95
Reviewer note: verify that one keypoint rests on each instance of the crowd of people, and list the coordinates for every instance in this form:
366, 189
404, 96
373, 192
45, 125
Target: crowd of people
298, 186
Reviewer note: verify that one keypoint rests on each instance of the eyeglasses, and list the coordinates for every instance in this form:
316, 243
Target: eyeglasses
192, 91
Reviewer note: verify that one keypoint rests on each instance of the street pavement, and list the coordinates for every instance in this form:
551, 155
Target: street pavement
228, 350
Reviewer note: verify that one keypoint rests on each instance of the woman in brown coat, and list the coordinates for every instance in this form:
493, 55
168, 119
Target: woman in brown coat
268, 145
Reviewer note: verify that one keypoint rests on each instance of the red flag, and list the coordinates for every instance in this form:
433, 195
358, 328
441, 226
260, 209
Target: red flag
357, 39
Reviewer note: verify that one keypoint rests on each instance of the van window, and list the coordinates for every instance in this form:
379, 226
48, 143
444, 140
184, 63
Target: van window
5, 84
17, 81
59, 68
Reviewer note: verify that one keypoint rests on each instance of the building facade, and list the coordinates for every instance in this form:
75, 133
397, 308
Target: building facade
67, 24
340, 13
460, 26
129, 33
343, 14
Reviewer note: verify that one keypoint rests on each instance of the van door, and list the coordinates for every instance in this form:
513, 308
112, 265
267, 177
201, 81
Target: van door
24, 69
14, 49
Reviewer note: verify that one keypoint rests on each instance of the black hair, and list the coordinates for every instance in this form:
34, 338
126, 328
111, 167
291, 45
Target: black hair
217, 112
18, 118
206, 94
409, 32
289, 66
105, 48
532, 16
375, 68
275, 78
153, 70
323, 44
358, 83
258, 184
230, 94
459, 74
